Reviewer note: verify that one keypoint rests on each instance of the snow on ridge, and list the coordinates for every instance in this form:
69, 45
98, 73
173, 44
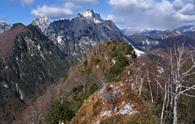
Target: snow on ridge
88, 14
97, 21
138, 52
42, 22
106, 113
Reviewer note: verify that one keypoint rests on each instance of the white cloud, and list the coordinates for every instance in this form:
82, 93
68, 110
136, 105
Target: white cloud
86, 1
126, 3
27, 2
152, 13
178, 4
51, 11
69, 5
61, 11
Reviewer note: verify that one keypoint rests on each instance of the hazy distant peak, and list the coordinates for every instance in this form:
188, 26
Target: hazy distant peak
4, 26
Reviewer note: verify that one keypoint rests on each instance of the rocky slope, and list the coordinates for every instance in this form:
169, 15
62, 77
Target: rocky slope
42, 22
80, 34
113, 104
29, 62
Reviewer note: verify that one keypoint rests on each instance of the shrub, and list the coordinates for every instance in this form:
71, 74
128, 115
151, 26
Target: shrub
96, 61
66, 110
60, 112
92, 89
118, 67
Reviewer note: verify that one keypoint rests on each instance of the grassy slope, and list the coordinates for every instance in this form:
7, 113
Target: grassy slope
110, 63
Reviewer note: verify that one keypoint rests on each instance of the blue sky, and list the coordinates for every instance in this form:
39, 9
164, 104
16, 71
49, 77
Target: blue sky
15, 11
159, 14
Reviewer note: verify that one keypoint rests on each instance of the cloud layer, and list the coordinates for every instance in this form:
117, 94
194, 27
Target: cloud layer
52, 11
85, 1
61, 11
27, 2
151, 13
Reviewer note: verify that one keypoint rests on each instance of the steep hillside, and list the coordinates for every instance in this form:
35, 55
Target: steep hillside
110, 86
101, 81
29, 62
115, 103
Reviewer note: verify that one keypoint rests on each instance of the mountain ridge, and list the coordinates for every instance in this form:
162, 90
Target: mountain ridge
37, 56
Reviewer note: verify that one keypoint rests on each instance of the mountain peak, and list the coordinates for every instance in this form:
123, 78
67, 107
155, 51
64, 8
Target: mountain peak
88, 13
42, 22
42, 19
91, 15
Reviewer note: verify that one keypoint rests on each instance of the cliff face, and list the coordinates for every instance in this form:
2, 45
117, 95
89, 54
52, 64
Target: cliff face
83, 32
29, 62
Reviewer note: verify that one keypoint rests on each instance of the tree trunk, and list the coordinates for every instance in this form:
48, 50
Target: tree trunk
163, 107
150, 87
175, 110
172, 97
175, 104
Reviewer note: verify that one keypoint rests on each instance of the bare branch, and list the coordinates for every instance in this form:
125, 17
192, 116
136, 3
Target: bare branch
159, 84
163, 88
189, 70
184, 60
186, 75
189, 95
187, 89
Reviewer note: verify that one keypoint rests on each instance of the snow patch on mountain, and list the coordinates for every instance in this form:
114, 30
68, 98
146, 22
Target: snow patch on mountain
91, 16
127, 110
42, 22
88, 14
138, 52
106, 113
59, 40
97, 21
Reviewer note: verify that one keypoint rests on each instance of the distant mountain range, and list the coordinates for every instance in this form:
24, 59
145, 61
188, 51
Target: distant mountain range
152, 39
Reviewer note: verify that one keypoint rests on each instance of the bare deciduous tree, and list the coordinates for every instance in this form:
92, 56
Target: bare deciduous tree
178, 82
